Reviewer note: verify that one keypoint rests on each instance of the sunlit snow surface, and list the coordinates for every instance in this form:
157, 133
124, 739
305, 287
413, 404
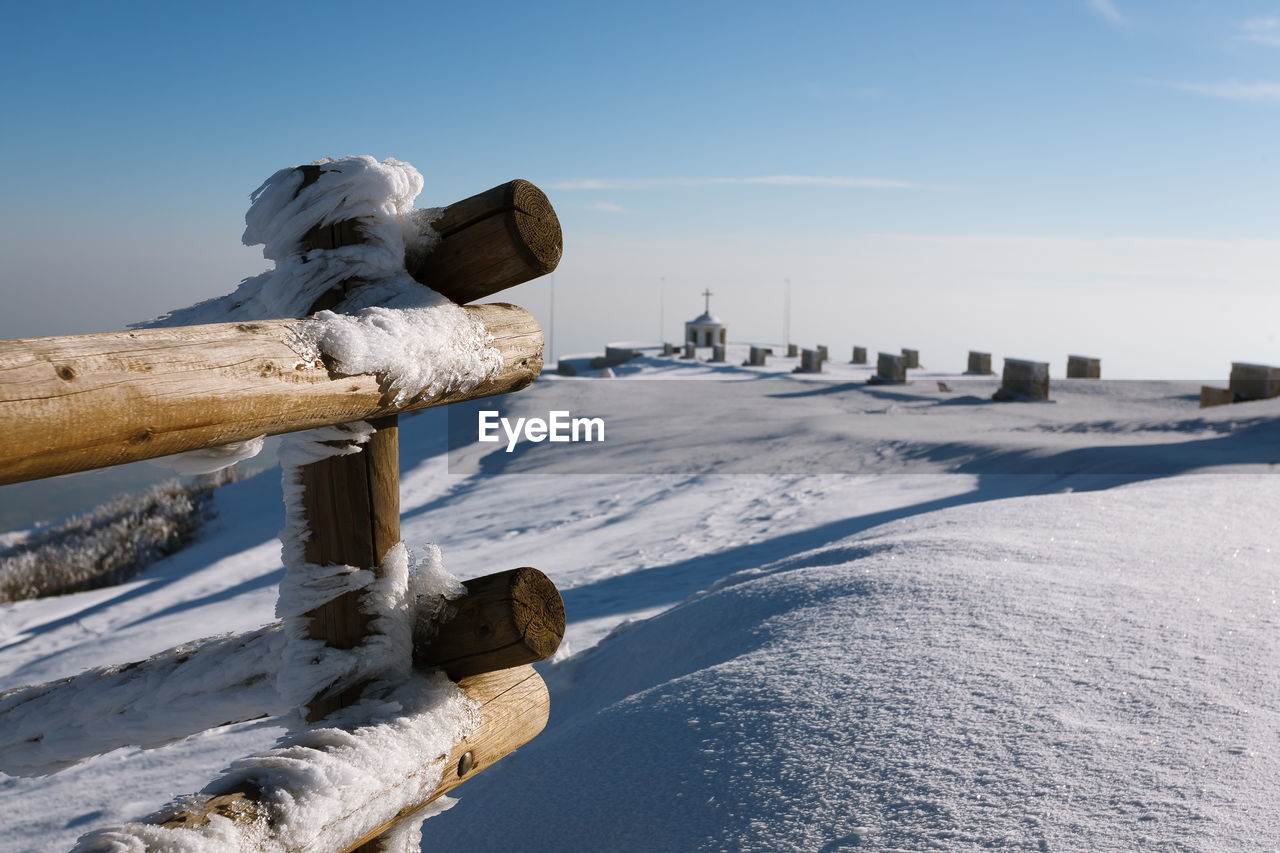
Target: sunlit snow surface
940, 653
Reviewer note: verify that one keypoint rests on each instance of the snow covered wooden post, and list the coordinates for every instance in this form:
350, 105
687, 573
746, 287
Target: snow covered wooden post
489, 242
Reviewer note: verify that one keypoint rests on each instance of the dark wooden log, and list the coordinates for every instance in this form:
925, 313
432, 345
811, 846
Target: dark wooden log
506, 619
89, 401
491, 241
352, 504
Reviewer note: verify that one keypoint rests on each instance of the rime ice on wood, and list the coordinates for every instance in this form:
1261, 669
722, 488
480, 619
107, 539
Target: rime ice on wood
420, 341
378, 196
330, 783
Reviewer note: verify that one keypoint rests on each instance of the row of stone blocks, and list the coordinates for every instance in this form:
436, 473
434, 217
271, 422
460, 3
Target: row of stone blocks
1247, 382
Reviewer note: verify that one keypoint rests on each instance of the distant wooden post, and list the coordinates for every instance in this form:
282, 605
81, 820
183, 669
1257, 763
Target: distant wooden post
1083, 367
717, 352
1210, 396
822, 352
859, 355
792, 350
911, 357
1023, 380
669, 349
756, 357
690, 351
1253, 381
980, 363
810, 361
891, 369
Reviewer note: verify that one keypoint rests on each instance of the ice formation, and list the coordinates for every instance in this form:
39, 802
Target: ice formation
384, 321
326, 786
379, 196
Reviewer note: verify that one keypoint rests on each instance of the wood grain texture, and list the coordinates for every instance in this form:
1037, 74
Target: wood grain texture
489, 242
89, 401
352, 505
514, 706
505, 620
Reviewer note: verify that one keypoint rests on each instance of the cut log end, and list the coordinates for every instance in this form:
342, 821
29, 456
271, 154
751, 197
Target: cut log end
505, 620
538, 611
537, 228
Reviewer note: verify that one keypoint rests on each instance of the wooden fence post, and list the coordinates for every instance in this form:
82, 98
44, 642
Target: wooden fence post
352, 505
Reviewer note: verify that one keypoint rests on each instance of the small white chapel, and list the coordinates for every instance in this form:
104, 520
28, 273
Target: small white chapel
706, 330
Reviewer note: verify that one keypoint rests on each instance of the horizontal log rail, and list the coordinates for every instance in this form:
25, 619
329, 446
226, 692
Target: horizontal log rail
514, 706
89, 401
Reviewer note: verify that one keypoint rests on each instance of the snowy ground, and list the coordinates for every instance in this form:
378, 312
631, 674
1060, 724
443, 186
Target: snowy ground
916, 620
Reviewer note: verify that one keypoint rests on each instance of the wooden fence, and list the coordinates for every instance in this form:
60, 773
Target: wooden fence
90, 401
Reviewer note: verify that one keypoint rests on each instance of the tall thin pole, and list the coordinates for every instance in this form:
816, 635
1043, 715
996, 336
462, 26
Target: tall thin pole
662, 309
786, 312
551, 337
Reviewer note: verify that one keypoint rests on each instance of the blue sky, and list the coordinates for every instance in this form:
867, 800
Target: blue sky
1028, 177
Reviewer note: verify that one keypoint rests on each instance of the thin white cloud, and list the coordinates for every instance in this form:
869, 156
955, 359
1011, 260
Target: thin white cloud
1233, 90
771, 180
1105, 10
1261, 31
606, 207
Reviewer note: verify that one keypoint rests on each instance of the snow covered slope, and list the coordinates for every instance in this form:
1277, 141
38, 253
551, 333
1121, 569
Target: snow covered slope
919, 620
